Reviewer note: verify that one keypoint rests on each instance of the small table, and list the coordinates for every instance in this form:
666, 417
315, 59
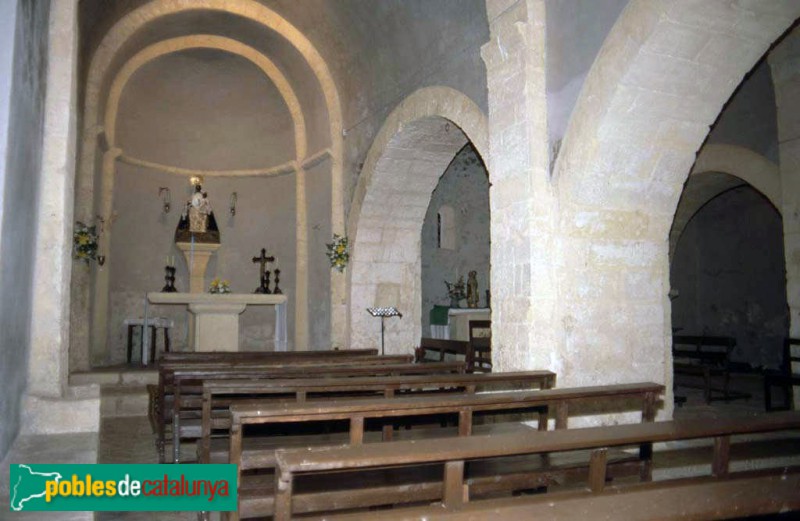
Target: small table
153, 324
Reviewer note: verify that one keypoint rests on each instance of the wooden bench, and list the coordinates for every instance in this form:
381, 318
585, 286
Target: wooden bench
181, 356
439, 348
218, 396
707, 357
158, 393
255, 494
740, 497
186, 387
457, 489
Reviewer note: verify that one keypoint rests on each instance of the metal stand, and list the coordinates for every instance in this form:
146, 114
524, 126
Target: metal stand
383, 313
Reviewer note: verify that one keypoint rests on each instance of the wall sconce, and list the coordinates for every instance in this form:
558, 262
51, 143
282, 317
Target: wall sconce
234, 198
164, 193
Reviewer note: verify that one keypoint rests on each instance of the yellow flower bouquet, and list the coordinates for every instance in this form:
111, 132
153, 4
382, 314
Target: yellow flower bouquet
338, 252
219, 287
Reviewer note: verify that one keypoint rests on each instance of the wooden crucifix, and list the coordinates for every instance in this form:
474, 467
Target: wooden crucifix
263, 260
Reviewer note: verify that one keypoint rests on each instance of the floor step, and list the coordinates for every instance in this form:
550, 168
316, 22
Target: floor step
123, 401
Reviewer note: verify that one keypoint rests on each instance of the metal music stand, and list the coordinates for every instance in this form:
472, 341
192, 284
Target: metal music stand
384, 313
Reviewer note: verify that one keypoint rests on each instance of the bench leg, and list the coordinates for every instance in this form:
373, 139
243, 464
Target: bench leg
152, 343
130, 342
283, 496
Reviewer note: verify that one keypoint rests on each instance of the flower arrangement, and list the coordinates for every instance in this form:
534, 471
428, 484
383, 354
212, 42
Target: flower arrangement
456, 291
338, 252
84, 242
219, 287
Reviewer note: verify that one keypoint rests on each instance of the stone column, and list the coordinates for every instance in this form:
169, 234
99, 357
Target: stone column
301, 270
99, 324
784, 61
51, 405
523, 210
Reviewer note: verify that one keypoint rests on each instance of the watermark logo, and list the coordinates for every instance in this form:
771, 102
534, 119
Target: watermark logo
98, 487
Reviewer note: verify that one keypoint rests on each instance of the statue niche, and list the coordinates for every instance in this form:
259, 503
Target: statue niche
197, 222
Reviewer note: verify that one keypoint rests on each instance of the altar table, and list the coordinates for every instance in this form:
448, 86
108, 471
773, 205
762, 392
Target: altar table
216, 317
458, 319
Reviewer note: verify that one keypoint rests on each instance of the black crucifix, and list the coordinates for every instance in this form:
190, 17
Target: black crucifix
263, 260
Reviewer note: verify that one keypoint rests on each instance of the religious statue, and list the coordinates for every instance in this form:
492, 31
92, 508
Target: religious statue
472, 290
197, 222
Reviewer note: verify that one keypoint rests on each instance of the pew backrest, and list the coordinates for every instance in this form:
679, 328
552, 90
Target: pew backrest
215, 392
455, 452
356, 411
188, 380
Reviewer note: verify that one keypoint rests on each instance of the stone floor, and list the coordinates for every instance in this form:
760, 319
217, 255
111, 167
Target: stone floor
130, 440
53, 448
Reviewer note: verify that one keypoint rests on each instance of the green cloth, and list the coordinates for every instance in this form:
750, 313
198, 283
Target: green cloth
439, 315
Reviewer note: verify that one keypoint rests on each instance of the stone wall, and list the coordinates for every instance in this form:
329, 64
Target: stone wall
144, 236
729, 271
204, 109
575, 32
749, 118
464, 187
22, 132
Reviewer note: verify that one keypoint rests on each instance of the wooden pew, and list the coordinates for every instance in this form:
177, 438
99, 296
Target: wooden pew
740, 497
707, 357
457, 490
156, 406
258, 501
187, 381
182, 356
159, 393
438, 348
218, 396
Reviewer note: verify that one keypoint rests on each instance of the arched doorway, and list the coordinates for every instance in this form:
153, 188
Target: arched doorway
455, 239
411, 152
727, 276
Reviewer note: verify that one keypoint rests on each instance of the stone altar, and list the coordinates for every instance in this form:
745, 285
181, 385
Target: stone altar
216, 317
459, 318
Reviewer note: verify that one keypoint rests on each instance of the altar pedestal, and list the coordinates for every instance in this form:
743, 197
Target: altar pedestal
197, 255
216, 325
216, 317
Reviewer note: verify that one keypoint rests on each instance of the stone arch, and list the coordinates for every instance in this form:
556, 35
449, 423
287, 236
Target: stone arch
179, 44
411, 151
205, 41
99, 67
660, 79
106, 178
718, 164
126, 27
